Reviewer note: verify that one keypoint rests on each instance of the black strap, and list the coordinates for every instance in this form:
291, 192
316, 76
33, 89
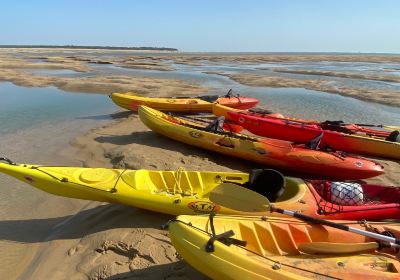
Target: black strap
223, 237
314, 143
229, 94
212, 223
9, 161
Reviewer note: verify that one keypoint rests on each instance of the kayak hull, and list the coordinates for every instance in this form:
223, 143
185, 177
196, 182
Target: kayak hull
272, 249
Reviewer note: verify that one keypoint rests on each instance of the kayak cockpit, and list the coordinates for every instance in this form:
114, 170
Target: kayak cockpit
184, 183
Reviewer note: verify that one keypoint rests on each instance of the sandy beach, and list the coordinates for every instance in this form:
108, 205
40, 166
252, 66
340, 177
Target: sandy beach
72, 239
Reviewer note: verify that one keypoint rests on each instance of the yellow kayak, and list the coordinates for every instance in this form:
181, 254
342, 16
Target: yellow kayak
279, 248
185, 104
192, 192
171, 192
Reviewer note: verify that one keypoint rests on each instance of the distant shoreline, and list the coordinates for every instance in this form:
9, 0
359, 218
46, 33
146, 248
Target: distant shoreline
73, 47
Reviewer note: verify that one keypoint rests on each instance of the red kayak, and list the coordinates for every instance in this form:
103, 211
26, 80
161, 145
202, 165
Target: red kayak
313, 134
221, 110
354, 201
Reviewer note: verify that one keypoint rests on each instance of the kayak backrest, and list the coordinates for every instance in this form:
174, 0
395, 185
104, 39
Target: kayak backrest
216, 125
267, 182
394, 136
208, 98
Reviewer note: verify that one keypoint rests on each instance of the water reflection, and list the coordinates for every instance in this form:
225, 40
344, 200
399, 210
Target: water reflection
23, 107
297, 102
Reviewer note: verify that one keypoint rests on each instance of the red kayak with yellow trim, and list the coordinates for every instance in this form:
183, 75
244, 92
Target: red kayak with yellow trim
298, 132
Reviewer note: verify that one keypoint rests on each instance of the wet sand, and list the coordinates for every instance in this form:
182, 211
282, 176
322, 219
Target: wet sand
101, 84
58, 238
368, 76
391, 98
15, 62
128, 143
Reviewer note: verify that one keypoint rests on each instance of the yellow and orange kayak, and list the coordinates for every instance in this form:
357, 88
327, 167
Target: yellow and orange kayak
271, 152
188, 192
233, 247
185, 104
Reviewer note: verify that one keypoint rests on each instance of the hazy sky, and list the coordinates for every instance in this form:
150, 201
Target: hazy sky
205, 25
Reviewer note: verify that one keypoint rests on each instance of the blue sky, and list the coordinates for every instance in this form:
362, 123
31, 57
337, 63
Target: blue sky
253, 25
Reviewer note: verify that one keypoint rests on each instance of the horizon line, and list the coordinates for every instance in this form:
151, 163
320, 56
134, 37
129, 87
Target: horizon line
71, 46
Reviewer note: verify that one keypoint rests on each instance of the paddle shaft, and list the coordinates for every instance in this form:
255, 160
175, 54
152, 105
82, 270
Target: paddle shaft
375, 125
289, 120
336, 225
233, 196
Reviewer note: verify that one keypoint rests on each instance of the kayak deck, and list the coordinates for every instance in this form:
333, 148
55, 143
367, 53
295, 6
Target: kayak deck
268, 248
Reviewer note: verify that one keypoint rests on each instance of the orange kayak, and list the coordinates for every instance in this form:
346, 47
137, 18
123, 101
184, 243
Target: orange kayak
271, 152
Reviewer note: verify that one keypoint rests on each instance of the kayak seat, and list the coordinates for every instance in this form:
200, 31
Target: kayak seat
208, 98
260, 111
267, 182
394, 136
217, 125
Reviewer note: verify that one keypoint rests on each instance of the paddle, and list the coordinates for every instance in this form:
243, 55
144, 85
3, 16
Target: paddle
293, 120
238, 198
388, 127
242, 199
391, 127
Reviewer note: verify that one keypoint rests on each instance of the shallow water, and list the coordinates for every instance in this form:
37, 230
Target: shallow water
35, 125
22, 107
296, 102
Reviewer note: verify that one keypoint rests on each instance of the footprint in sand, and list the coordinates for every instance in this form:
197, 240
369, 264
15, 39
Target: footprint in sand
137, 253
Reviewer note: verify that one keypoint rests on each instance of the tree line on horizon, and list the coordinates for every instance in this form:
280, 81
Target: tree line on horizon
89, 47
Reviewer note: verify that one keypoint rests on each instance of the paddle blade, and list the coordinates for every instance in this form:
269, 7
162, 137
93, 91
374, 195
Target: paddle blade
336, 248
239, 198
391, 127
